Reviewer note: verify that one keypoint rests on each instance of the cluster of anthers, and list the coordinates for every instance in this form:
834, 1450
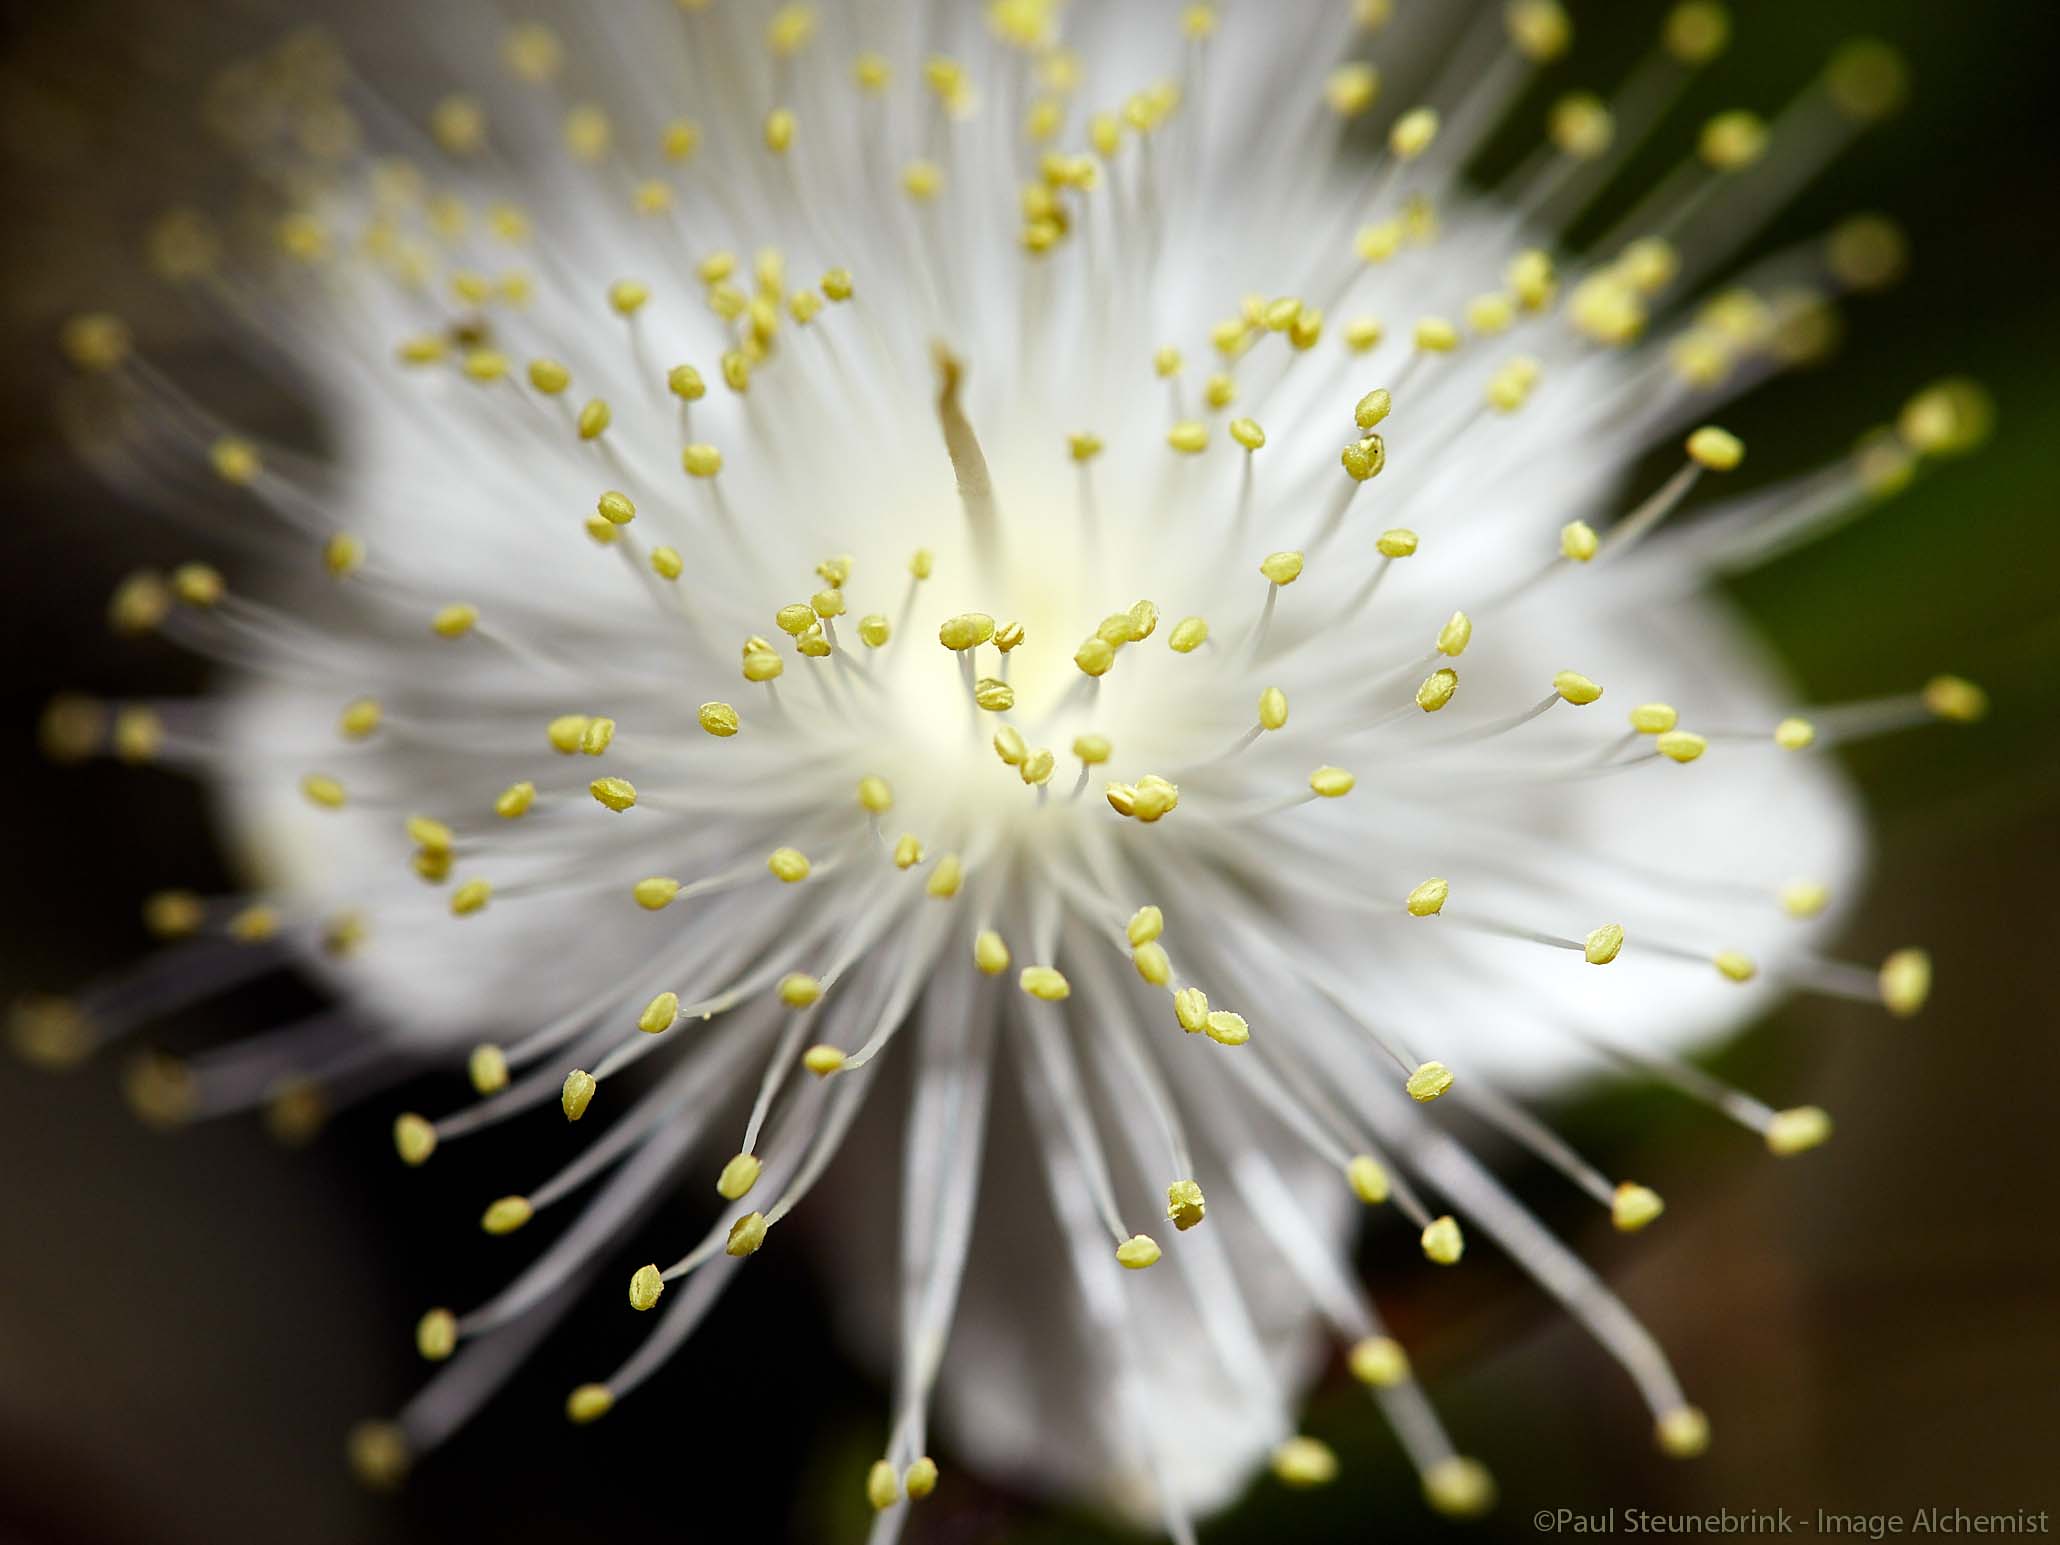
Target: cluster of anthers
638, 671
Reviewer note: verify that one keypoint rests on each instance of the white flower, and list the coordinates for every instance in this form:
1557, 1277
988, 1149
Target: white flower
956, 568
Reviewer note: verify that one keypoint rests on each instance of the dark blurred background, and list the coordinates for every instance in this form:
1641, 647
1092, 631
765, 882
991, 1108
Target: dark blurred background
189, 1324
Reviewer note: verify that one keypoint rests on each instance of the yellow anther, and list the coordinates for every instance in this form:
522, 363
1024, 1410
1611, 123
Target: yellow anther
779, 130
1185, 1205
1379, 1362
1010, 635
600, 532
1696, 31
1442, 1242
1632, 1206
1459, 1487
791, 29
1137, 1252
173, 914
1866, 79
1084, 447
95, 341
1529, 276
379, 1455
1190, 437
589, 1403
882, 1485
436, 1335
1038, 766
1653, 718
1166, 361
646, 1286
1191, 1009
1794, 734
1331, 781
921, 180
1603, 944
1095, 656
969, 630
1371, 409
487, 1068
908, 851
426, 832
618, 794
577, 1093
1247, 433
1413, 132
1955, 699
1009, 746
1577, 541
822, 1061
1187, 635
837, 285
738, 1177
1575, 688
1151, 797
1398, 543
431, 865
875, 794
138, 735
1427, 899
506, 1215
342, 554
1455, 635
1303, 1462
459, 125
422, 349
799, 990
1649, 264
1273, 709
198, 585
1361, 334
1488, 315
594, 419
323, 790
788, 864
1797, 1130
1430, 1080
1581, 126
1045, 982
994, 694
454, 621
1219, 391
701, 460
660, 1013
874, 630
1682, 1433
1804, 898
1732, 141
945, 876
414, 1138
627, 296
1715, 448
1538, 29
1351, 88
1153, 964
1435, 335
1282, 568
1905, 982
1225, 1028
1680, 745
1734, 966
1364, 459
1948, 418
1867, 252
990, 952
1092, 750
515, 800
656, 893
236, 461
1369, 1182
796, 619
1437, 689
747, 1234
